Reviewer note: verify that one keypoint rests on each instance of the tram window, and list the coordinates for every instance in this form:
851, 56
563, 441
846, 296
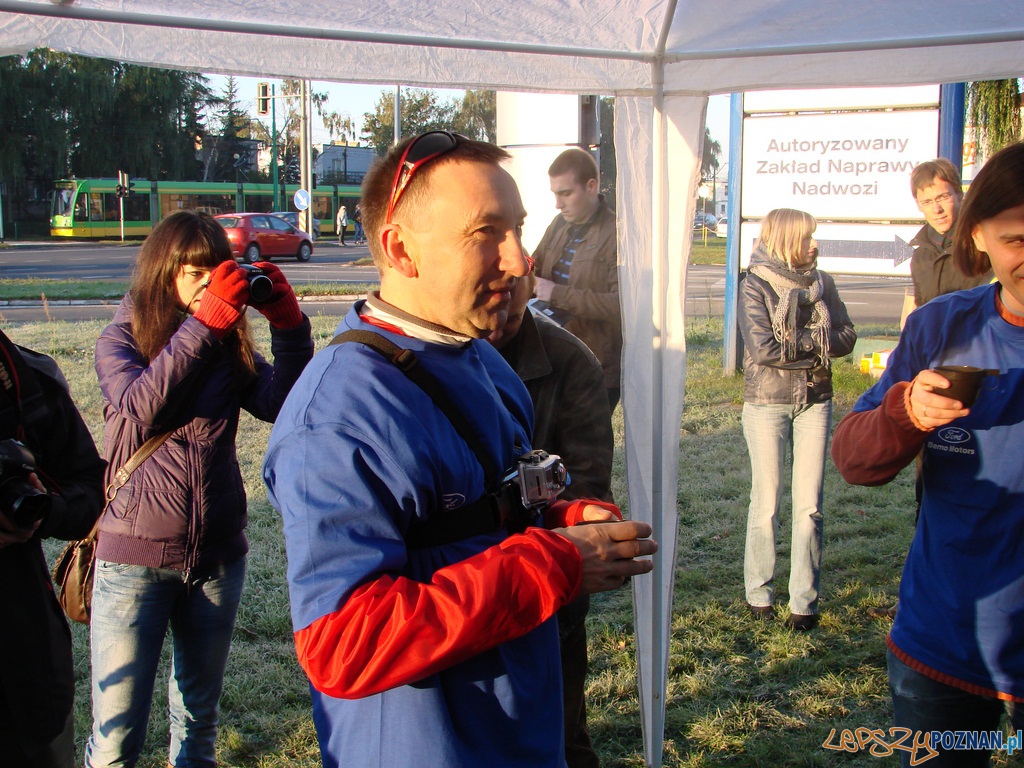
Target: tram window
95, 206
322, 207
136, 207
62, 202
82, 207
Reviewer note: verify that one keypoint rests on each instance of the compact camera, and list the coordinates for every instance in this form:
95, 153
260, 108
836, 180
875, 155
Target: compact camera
260, 286
20, 501
539, 476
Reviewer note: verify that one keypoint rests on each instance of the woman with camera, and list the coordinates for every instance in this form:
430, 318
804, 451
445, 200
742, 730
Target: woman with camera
793, 323
179, 360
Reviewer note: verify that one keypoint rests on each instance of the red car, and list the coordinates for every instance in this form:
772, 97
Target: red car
260, 236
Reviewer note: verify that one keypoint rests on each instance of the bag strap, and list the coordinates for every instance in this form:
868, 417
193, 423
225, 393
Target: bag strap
407, 362
486, 514
122, 475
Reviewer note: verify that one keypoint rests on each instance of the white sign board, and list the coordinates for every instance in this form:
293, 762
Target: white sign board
834, 99
841, 166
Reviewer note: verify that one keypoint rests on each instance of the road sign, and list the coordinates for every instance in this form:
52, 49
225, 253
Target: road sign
301, 199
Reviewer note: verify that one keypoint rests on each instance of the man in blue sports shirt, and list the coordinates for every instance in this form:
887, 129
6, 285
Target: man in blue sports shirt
439, 650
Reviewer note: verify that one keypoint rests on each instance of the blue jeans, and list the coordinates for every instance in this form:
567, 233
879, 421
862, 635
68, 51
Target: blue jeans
132, 607
769, 430
925, 705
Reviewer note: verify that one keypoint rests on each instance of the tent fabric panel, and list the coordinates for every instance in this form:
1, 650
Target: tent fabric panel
320, 60
908, 66
744, 25
654, 212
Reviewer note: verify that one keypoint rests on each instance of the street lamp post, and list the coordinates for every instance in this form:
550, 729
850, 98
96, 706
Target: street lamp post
704, 193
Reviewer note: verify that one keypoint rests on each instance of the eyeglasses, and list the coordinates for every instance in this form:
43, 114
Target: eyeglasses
421, 150
942, 199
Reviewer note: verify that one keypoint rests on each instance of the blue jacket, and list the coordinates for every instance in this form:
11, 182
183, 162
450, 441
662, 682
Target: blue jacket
184, 507
961, 617
403, 677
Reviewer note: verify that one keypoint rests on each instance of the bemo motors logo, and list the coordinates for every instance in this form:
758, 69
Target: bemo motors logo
954, 435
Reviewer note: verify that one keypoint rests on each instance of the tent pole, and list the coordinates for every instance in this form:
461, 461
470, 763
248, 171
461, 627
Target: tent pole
654, 733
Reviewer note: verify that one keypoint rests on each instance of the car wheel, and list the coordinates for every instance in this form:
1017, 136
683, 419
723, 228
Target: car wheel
252, 253
305, 251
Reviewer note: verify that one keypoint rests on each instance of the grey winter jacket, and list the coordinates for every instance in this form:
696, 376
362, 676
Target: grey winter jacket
184, 508
766, 378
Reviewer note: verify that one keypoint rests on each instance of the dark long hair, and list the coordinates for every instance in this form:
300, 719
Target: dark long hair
184, 237
998, 187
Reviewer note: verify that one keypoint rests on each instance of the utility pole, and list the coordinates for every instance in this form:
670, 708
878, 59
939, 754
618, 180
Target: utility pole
306, 152
273, 145
398, 114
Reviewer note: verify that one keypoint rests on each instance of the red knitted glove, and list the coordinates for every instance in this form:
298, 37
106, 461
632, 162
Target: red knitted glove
223, 303
282, 308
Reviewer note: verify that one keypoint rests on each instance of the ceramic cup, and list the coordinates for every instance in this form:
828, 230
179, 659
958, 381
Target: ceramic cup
964, 382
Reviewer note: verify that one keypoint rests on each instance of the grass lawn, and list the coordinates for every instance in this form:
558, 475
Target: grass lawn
740, 693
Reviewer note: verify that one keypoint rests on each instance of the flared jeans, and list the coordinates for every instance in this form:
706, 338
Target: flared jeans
770, 430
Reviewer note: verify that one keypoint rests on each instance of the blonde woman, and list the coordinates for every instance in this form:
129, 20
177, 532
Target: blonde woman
793, 322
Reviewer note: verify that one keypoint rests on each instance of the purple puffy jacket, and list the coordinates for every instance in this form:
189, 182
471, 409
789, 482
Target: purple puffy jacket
184, 508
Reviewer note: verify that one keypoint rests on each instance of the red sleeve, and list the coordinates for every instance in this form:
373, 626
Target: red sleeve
562, 514
871, 447
394, 631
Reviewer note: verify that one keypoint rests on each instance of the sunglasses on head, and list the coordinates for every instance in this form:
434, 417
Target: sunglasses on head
421, 150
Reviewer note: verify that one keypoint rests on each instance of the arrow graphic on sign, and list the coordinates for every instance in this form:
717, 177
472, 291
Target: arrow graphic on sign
899, 250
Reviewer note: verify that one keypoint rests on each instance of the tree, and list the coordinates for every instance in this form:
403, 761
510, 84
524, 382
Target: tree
476, 117
709, 156
63, 115
422, 110
994, 112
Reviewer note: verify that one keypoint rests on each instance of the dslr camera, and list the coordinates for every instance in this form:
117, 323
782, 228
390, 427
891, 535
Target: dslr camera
20, 501
260, 286
539, 477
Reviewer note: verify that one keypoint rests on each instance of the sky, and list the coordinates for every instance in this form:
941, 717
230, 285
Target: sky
356, 100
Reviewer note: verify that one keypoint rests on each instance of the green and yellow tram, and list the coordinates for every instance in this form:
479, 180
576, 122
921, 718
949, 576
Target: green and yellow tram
90, 208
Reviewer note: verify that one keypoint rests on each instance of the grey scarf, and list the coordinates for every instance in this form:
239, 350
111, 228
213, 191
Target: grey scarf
796, 289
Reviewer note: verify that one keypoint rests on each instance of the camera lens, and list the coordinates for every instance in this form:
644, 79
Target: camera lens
261, 287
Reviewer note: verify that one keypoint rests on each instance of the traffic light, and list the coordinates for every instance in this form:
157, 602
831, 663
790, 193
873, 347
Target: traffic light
263, 98
123, 184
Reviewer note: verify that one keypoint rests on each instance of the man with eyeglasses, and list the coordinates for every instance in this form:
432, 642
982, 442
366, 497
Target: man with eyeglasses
937, 188
424, 622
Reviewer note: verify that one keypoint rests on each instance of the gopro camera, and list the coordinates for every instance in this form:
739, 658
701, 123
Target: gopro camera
540, 476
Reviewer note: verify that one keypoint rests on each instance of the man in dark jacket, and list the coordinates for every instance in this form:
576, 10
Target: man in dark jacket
571, 419
937, 188
577, 272
36, 672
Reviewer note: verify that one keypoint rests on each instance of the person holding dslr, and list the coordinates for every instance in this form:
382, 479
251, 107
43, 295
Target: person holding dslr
179, 359
51, 485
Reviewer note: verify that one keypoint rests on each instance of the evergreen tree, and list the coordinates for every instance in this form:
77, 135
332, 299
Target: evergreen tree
64, 115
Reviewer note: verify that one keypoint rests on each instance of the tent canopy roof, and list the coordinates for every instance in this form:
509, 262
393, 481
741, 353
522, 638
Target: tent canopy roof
601, 46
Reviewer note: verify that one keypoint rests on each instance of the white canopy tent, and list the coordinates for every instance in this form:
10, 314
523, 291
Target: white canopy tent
659, 58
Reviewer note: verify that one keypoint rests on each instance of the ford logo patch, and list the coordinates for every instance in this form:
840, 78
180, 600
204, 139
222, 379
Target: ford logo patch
453, 501
954, 435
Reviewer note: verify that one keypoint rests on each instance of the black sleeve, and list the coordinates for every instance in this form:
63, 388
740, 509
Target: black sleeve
67, 464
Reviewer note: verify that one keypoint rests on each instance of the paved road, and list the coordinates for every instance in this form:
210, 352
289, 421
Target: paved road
870, 300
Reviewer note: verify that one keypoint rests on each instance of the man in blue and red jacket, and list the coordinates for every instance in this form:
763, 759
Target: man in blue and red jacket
446, 653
